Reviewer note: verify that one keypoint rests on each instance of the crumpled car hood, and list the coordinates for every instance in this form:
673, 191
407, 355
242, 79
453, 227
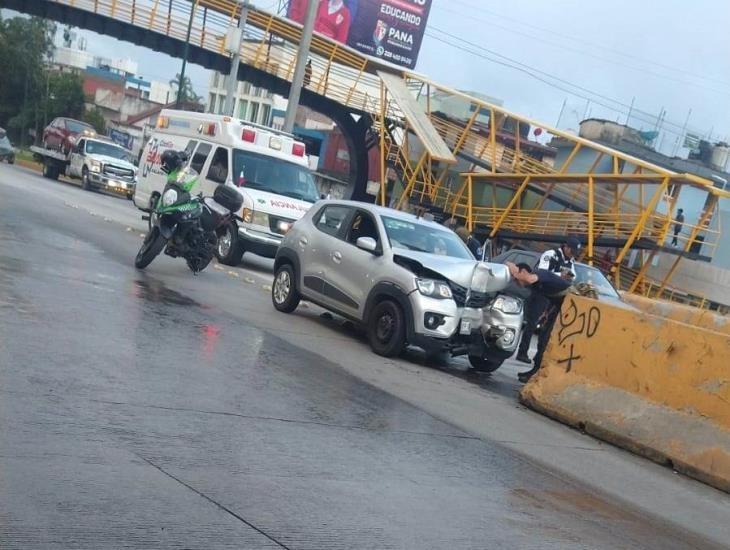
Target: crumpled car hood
458, 270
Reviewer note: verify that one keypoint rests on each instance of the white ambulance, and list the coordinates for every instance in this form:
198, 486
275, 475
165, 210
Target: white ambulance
269, 169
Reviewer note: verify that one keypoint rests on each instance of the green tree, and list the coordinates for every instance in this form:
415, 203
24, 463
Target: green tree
96, 118
65, 96
187, 93
25, 43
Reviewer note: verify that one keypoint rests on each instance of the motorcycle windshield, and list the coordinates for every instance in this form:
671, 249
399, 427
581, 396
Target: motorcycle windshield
186, 178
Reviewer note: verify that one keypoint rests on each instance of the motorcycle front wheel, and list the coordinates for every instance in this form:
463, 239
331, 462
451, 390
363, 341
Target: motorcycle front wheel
153, 244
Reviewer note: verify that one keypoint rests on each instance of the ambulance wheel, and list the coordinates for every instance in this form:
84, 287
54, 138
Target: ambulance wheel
229, 250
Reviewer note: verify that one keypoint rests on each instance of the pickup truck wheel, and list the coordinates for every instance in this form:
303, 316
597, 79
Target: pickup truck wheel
284, 293
85, 183
229, 250
387, 329
50, 171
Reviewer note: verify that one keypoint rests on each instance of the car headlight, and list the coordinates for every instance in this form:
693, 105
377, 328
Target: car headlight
95, 165
260, 218
507, 304
169, 197
434, 289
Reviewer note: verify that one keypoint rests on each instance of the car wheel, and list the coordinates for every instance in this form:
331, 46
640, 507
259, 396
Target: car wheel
485, 364
229, 250
50, 171
387, 329
284, 293
85, 183
11, 160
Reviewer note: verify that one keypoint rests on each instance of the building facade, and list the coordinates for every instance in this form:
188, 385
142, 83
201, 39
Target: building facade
251, 103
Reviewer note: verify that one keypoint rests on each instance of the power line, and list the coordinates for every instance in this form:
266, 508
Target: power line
725, 93
546, 78
588, 43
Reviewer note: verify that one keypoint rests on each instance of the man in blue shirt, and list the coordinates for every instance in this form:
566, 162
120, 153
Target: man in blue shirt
558, 260
549, 287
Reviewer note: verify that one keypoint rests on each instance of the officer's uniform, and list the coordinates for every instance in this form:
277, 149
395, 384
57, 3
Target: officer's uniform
554, 261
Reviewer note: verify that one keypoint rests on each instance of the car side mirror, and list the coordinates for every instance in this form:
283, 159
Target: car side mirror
367, 244
322, 196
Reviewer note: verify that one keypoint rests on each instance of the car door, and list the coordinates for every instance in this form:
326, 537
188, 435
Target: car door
315, 250
352, 271
52, 136
77, 159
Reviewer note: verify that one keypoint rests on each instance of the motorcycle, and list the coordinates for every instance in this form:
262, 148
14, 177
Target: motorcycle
186, 225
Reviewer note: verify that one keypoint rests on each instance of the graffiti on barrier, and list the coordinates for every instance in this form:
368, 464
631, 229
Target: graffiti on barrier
575, 323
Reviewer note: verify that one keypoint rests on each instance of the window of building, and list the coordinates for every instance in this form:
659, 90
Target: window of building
253, 114
211, 103
269, 94
265, 114
242, 108
221, 103
216, 77
247, 88
254, 91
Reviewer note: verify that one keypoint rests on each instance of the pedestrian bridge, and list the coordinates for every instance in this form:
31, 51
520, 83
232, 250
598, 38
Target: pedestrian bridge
483, 163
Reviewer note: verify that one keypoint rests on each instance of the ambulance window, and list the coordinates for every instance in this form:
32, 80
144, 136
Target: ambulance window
191, 147
200, 156
218, 171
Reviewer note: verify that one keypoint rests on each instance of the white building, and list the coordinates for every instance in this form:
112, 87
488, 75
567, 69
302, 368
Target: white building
251, 103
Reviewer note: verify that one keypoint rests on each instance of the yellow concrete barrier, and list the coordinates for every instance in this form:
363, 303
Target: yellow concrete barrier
680, 312
656, 386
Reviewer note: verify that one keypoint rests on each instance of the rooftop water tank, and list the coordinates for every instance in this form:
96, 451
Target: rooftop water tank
719, 158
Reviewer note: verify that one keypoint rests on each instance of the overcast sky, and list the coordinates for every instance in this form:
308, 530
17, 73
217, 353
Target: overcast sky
673, 54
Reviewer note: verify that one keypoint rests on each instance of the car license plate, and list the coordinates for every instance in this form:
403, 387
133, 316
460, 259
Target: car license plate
465, 326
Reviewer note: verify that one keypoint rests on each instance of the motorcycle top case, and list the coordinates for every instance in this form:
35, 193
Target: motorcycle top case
229, 197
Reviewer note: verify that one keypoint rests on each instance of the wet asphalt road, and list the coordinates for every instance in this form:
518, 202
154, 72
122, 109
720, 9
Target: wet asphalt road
151, 410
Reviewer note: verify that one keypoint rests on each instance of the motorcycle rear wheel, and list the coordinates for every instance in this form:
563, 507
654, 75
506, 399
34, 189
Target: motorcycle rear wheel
153, 244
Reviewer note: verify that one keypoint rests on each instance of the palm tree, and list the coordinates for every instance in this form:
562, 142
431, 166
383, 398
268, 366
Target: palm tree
186, 89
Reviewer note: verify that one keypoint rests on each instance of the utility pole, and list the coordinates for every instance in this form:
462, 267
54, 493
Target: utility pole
560, 116
631, 108
302, 57
180, 82
232, 81
680, 138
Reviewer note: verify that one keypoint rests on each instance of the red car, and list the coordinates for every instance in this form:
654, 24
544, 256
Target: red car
61, 134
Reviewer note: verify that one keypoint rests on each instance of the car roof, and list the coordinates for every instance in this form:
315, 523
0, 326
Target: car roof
385, 211
536, 255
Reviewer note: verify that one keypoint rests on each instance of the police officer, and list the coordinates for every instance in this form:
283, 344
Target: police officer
551, 287
560, 261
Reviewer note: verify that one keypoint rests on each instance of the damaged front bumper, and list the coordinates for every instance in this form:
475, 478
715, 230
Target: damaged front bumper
486, 330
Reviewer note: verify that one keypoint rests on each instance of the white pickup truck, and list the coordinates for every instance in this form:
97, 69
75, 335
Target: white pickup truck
98, 163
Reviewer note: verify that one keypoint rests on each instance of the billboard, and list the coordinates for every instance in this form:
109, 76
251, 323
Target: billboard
389, 29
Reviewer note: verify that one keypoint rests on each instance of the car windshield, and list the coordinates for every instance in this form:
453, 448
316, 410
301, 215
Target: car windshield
107, 149
78, 127
421, 237
587, 274
274, 176
5, 142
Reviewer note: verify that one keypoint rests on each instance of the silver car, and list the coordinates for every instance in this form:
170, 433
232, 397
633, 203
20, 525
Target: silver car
405, 279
